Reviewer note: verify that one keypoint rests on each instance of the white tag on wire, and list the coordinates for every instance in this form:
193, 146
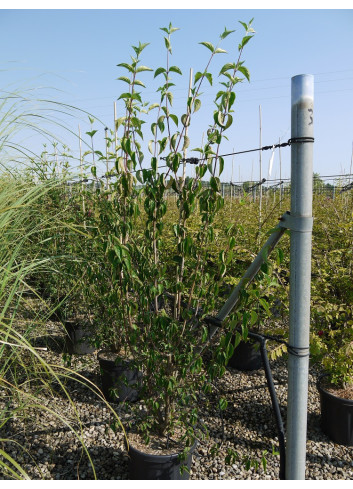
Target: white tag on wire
271, 161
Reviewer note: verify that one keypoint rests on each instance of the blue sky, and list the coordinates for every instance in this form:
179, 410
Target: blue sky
71, 56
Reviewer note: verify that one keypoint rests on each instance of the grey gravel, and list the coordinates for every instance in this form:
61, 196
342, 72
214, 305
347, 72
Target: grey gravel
53, 452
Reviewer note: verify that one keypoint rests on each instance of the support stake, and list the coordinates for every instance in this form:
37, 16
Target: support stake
300, 273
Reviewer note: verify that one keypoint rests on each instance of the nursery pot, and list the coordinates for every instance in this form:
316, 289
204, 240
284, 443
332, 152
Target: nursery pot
120, 380
246, 357
78, 336
147, 466
336, 415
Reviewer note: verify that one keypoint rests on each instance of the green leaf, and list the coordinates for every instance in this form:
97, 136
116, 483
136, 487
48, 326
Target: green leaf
167, 44
221, 165
232, 242
226, 67
175, 163
175, 69
136, 96
150, 146
127, 66
125, 79
125, 95
139, 176
280, 256
160, 123
219, 118
229, 121
244, 41
185, 119
198, 75
245, 72
253, 318
222, 404
143, 68
208, 45
186, 142
173, 140
265, 305
154, 128
162, 145
173, 29
197, 104
219, 50
225, 33
174, 119
214, 183
221, 93
231, 100
159, 71
209, 77
138, 50
170, 97
138, 82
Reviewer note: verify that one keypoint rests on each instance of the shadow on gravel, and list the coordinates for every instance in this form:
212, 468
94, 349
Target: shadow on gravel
78, 390
331, 465
54, 343
65, 429
314, 429
109, 463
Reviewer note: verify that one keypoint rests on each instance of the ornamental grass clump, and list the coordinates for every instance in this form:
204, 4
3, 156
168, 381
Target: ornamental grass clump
159, 281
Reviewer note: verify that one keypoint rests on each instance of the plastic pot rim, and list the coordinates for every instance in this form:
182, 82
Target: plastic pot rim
321, 389
162, 457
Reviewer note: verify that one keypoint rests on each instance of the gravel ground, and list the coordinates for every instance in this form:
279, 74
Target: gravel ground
53, 451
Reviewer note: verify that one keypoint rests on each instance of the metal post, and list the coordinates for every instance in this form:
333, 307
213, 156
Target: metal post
300, 272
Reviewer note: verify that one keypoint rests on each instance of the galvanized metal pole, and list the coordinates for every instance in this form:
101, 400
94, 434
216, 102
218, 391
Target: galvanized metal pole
300, 272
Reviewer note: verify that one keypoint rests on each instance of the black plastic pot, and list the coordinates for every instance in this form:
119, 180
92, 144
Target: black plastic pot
120, 380
246, 356
145, 466
336, 416
78, 336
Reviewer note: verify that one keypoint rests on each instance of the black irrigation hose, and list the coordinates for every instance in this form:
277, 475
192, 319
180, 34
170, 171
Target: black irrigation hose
275, 404
271, 387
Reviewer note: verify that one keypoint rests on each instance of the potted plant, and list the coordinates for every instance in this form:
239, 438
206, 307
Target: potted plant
157, 241
110, 219
332, 335
61, 277
334, 347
